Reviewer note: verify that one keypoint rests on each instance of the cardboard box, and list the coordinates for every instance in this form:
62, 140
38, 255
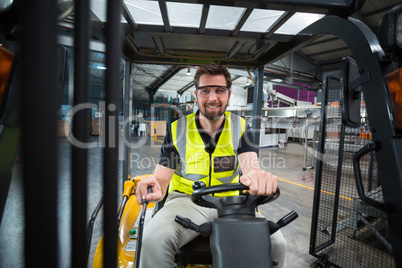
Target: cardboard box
63, 128
160, 128
96, 126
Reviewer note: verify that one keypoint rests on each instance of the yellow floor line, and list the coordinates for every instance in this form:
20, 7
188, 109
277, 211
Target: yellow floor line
157, 140
312, 188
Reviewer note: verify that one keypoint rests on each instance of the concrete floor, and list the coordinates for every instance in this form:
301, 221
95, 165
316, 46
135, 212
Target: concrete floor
296, 194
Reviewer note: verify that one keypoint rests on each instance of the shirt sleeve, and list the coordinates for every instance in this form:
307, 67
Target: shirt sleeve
169, 156
247, 143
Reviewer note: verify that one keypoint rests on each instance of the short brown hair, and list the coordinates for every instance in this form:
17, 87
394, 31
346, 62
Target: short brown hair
212, 69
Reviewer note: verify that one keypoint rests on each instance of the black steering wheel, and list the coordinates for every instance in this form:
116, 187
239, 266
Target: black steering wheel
230, 205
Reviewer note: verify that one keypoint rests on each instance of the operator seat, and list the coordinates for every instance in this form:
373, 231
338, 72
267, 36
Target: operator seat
196, 251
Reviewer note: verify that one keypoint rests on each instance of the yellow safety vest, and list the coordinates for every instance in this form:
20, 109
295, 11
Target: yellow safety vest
220, 167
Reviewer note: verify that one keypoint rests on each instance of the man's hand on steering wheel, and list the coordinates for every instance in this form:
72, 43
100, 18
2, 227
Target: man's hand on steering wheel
260, 182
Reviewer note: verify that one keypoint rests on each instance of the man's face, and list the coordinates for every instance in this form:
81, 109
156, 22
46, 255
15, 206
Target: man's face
212, 105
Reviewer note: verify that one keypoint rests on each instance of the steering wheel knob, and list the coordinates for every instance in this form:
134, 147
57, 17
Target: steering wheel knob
198, 185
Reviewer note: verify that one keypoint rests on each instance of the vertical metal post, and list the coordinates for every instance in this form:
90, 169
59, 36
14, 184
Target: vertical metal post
151, 96
128, 114
70, 82
338, 182
110, 155
39, 109
79, 173
318, 183
291, 70
257, 100
305, 147
170, 111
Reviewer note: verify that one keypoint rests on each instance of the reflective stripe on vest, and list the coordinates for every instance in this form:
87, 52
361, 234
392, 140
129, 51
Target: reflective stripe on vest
195, 161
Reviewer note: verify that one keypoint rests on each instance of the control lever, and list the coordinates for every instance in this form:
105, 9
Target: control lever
141, 229
203, 229
273, 227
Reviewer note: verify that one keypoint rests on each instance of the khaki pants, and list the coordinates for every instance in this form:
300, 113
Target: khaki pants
163, 237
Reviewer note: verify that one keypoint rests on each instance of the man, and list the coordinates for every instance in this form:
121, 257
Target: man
211, 145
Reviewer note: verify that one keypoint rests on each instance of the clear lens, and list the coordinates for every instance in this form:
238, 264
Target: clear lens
207, 90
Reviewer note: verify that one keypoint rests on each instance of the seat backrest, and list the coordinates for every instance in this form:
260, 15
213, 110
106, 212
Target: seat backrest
196, 251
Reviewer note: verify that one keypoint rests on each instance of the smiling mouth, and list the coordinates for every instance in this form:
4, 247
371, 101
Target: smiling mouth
214, 106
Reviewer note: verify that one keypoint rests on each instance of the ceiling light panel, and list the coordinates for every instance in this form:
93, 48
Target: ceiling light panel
260, 20
145, 12
99, 9
184, 15
298, 22
223, 17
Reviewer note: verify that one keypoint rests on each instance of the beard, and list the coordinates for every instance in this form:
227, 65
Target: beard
216, 115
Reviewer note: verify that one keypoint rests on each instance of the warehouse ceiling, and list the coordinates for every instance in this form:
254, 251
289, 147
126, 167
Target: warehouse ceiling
166, 40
